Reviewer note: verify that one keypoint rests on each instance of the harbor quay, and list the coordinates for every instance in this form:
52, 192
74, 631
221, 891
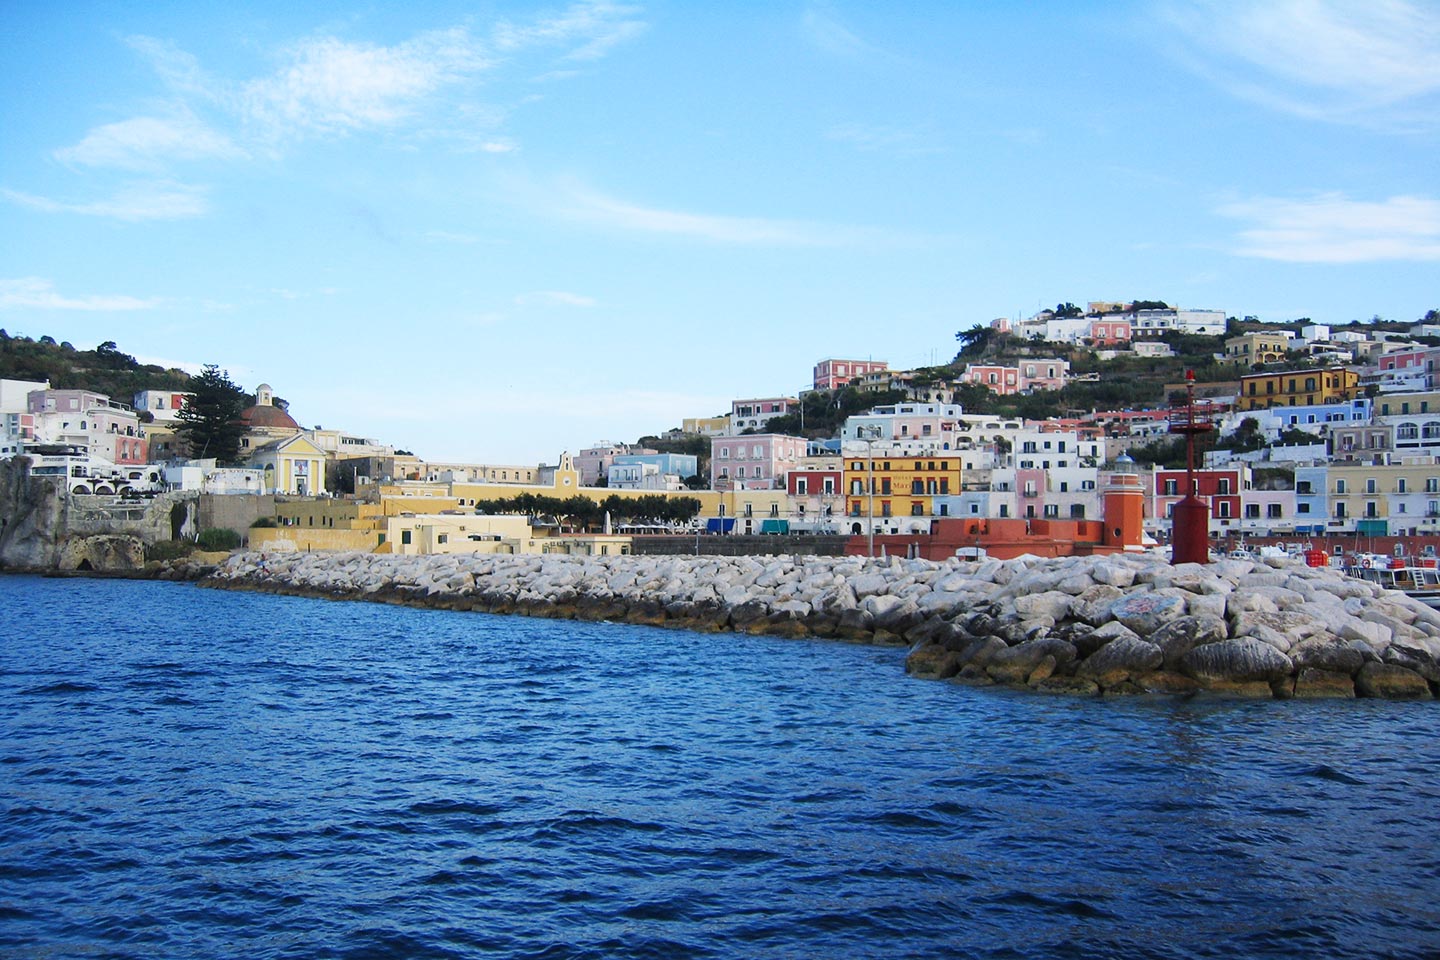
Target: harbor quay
1111, 625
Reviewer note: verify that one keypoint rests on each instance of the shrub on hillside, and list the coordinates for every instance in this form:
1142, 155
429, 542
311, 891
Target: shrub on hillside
168, 550
218, 539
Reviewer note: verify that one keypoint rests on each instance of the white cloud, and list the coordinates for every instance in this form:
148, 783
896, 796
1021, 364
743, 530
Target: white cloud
145, 142
572, 201
38, 293
1374, 63
162, 200
593, 28
554, 298
1333, 229
331, 86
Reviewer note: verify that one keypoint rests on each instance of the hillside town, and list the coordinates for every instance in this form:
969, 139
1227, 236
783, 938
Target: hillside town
1314, 437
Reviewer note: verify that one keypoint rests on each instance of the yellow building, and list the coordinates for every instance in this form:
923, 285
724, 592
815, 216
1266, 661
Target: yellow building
899, 487
1250, 349
1297, 388
1406, 404
705, 426
292, 465
1380, 500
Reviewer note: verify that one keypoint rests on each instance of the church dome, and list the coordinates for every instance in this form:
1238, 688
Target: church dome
266, 414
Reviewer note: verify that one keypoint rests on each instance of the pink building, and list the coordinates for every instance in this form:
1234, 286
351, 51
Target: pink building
995, 378
830, 374
1109, 331
759, 461
1418, 358
754, 414
1048, 373
106, 428
594, 462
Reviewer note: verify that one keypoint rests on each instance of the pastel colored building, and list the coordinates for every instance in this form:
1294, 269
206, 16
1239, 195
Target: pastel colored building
1048, 373
292, 465
755, 414
1257, 349
831, 374
754, 462
651, 471
1221, 488
895, 493
1297, 388
814, 492
108, 429
1109, 331
705, 426
594, 462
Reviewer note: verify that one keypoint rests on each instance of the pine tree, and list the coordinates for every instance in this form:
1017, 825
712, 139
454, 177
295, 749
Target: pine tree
210, 419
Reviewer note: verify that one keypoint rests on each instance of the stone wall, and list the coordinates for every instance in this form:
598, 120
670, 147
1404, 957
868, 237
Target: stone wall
234, 511
740, 546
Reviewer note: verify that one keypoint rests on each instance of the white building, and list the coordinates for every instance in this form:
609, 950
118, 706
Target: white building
163, 405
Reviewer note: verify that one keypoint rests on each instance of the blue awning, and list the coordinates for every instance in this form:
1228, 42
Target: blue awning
719, 525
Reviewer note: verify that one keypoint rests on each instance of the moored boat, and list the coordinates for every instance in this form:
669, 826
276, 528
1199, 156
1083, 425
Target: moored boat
1418, 579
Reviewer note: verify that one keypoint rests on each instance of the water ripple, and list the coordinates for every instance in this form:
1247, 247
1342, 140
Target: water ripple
327, 780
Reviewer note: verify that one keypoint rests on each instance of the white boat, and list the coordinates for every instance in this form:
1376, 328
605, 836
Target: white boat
1412, 579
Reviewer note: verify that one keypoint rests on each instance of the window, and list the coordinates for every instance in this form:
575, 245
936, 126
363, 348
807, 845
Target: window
1272, 511
1222, 509
1223, 488
443, 538
1400, 486
1172, 487
1369, 484
404, 536
1252, 511
1052, 510
1340, 486
801, 487
1077, 511
884, 508
885, 486
917, 509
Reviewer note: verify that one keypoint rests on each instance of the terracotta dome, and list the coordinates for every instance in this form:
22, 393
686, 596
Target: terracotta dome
266, 415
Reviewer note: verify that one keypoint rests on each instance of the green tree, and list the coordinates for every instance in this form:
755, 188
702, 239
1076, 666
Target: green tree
210, 419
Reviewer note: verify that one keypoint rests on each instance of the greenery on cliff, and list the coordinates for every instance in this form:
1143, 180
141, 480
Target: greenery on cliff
105, 369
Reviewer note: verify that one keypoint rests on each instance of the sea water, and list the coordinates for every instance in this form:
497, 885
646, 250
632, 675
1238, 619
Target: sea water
195, 773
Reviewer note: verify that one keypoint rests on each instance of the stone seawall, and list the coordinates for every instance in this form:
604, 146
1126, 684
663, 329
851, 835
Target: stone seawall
1083, 625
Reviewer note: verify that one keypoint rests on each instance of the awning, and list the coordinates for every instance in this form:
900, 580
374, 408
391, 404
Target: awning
775, 526
719, 525
1372, 528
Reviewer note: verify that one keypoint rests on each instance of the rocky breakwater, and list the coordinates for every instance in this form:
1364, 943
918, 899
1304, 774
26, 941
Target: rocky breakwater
1137, 624
1082, 625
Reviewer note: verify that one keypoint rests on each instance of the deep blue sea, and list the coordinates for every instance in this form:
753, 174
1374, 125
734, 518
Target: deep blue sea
187, 773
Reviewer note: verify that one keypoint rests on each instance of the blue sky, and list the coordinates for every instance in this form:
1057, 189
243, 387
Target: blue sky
498, 231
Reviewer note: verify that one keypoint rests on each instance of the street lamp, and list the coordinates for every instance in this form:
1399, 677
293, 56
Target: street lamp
871, 433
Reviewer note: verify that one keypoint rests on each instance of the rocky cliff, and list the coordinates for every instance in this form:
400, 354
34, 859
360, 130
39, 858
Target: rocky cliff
44, 528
